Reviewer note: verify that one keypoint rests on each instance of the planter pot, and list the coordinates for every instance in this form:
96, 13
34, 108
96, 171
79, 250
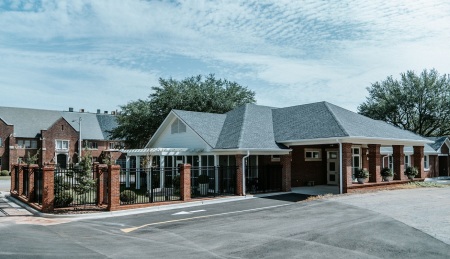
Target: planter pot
387, 178
411, 177
203, 188
361, 180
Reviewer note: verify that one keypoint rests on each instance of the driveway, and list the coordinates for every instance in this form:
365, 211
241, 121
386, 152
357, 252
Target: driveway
272, 227
426, 209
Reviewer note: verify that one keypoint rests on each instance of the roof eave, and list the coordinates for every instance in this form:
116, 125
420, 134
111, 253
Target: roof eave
355, 140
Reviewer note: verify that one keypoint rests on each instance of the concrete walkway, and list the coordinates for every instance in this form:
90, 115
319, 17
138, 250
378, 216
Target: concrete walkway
9, 208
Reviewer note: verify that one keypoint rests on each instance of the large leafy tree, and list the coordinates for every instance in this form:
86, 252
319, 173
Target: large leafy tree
138, 120
416, 102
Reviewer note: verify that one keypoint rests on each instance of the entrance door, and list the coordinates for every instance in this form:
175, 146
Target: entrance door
61, 159
443, 166
332, 167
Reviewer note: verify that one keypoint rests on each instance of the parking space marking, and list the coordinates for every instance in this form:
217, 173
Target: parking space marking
128, 230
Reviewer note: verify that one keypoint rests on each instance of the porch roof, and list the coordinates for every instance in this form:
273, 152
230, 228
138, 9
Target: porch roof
159, 151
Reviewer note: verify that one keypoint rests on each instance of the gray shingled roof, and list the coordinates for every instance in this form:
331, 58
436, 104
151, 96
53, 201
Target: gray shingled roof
438, 142
29, 122
325, 120
206, 125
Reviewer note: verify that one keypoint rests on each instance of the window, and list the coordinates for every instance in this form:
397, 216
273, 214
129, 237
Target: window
388, 161
313, 155
0, 163
407, 161
426, 162
112, 145
62, 144
92, 145
178, 127
26, 143
356, 159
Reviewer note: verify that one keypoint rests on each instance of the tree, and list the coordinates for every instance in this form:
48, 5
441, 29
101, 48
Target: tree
419, 103
138, 120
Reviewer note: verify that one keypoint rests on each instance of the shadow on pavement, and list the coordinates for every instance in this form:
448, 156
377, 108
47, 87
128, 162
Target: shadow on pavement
291, 197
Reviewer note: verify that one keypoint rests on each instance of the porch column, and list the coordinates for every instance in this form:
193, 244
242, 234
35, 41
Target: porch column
347, 173
127, 176
216, 172
374, 163
138, 173
239, 172
286, 172
161, 172
399, 162
185, 181
365, 158
418, 160
48, 188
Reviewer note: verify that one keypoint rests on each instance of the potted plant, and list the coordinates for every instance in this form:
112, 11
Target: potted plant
203, 183
411, 172
387, 174
361, 175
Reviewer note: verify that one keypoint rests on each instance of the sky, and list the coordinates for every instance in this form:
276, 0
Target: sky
100, 54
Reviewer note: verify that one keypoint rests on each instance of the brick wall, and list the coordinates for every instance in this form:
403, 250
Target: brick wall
418, 160
303, 171
61, 130
5, 132
347, 175
374, 163
399, 162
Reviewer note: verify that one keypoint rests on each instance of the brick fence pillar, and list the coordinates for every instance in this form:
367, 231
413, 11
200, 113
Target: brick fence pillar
13, 178
374, 163
100, 171
185, 182
418, 160
48, 192
20, 187
114, 187
239, 172
286, 173
347, 173
399, 162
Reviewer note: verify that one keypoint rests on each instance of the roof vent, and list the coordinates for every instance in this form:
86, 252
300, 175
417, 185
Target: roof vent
81, 110
98, 111
70, 109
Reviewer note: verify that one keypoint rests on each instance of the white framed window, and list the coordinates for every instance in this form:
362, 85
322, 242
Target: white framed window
356, 159
313, 154
92, 145
112, 145
62, 144
275, 158
178, 127
26, 143
388, 161
407, 161
426, 162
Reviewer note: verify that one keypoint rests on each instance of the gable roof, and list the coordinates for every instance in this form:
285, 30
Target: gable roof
438, 142
28, 123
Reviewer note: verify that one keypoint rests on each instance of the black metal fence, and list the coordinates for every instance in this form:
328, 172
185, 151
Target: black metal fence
148, 185
38, 185
261, 179
16, 178
25, 181
213, 181
73, 187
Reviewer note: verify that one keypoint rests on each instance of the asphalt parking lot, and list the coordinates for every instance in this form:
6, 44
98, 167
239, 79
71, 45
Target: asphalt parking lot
279, 226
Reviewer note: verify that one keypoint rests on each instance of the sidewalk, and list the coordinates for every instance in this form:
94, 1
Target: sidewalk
9, 208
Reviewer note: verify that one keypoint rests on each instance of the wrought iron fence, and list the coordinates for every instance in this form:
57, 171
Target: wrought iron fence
16, 178
25, 181
263, 178
213, 181
148, 185
227, 180
38, 185
73, 187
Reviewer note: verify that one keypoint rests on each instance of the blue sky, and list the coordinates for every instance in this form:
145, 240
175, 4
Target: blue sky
100, 54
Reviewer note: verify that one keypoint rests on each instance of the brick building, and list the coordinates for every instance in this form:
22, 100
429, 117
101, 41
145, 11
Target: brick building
55, 135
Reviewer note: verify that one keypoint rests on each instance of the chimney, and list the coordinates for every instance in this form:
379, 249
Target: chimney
70, 109
81, 110
106, 112
113, 112
98, 111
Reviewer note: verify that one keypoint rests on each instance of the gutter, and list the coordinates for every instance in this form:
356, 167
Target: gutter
243, 172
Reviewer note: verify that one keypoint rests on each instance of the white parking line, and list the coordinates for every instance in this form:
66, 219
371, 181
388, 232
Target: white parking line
128, 230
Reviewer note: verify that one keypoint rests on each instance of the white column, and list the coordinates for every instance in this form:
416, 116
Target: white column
138, 172
161, 174
127, 176
148, 171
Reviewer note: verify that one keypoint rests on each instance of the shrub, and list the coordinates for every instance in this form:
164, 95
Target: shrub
63, 199
411, 171
4, 173
361, 173
127, 196
202, 179
60, 184
387, 172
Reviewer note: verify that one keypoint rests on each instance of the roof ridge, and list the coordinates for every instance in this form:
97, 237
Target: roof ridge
241, 134
339, 123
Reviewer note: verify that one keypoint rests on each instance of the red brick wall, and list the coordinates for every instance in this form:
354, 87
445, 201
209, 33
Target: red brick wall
5, 131
418, 160
347, 174
60, 130
374, 163
399, 162
303, 171
434, 167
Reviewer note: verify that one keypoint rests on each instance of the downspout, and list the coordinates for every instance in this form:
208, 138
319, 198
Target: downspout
340, 167
243, 172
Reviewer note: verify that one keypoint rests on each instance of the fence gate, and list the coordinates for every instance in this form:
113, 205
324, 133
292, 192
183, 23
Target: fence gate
74, 188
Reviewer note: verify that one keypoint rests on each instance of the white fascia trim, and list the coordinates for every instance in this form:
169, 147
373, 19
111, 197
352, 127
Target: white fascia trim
254, 151
356, 140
